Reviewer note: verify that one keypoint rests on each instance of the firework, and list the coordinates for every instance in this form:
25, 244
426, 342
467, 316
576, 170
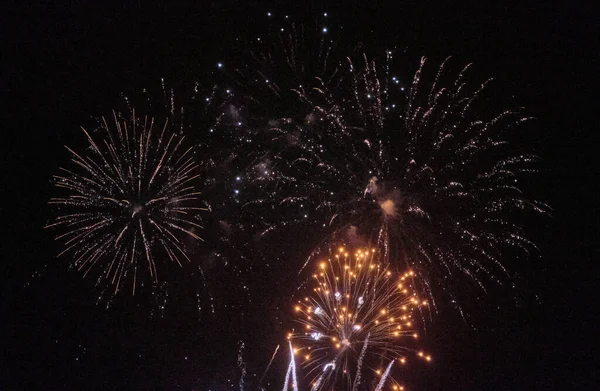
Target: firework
439, 184
131, 201
358, 319
420, 169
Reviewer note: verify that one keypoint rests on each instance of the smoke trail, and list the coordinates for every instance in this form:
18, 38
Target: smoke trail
241, 364
360, 361
384, 377
269, 365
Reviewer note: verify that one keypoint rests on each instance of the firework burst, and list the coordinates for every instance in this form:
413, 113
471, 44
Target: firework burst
356, 321
131, 201
420, 169
439, 183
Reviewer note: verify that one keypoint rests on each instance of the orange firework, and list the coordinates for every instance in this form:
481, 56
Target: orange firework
357, 323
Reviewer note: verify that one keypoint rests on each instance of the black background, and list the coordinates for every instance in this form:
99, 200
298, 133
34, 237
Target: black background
61, 63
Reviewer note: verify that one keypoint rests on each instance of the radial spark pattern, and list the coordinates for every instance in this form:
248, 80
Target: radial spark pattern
434, 185
356, 322
421, 169
131, 201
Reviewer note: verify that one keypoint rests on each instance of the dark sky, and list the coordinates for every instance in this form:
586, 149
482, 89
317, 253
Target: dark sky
61, 64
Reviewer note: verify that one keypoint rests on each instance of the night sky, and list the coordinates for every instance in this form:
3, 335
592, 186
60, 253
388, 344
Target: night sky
62, 64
